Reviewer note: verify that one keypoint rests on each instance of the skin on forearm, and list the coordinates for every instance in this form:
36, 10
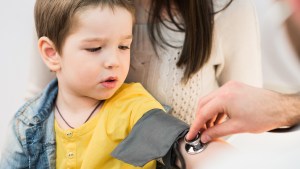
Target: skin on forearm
291, 104
215, 150
282, 110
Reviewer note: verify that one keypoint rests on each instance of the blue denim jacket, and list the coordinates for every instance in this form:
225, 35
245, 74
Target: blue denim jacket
30, 142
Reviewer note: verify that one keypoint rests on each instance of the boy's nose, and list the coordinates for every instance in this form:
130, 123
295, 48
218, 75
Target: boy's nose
111, 60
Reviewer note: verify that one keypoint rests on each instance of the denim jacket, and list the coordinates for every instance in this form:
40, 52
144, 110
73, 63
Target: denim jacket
30, 142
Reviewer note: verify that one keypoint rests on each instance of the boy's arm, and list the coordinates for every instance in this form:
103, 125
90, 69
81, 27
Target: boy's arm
217, 154
12, 154
151, 138
154, 137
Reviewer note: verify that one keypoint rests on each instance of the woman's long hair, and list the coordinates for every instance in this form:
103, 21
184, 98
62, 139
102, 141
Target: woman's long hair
196, 21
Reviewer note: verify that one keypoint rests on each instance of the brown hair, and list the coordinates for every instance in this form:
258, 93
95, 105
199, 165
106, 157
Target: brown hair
54, 18
198, 24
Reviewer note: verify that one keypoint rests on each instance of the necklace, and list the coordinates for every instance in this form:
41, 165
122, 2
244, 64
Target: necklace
84, 121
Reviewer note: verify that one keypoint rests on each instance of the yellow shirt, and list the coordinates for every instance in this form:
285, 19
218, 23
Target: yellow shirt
90, 145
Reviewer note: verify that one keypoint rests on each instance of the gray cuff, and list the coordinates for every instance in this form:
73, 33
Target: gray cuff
151, 138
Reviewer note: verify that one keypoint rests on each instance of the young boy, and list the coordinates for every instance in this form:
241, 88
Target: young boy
87, 45
83, 115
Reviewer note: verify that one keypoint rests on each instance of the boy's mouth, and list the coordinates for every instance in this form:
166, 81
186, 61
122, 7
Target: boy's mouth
110, 82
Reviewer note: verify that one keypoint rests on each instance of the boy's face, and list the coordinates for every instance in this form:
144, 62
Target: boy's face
95, 57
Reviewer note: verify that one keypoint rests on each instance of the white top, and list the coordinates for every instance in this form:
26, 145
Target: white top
281, 65
235, 56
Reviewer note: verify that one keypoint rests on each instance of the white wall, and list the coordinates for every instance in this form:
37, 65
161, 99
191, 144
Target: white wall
16, 27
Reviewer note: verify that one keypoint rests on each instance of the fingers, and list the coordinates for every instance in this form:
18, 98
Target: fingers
211, 122
203, 101
218, 92
220, 119
207, 112
227, 128
208, 107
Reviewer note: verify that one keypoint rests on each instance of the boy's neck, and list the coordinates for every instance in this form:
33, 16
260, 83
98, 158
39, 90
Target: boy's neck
74, 104
74, 111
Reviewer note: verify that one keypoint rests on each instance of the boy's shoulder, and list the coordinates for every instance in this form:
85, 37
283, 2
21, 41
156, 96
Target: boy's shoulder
24, 119
38, 108
132, 90
131, 94
132, 86
26, 112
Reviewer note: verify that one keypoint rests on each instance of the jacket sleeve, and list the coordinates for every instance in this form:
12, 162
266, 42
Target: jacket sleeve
12, 154
152, 137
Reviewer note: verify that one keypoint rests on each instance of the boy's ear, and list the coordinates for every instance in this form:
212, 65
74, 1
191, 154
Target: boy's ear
49, 53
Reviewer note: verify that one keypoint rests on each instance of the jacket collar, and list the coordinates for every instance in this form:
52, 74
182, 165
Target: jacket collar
39, 108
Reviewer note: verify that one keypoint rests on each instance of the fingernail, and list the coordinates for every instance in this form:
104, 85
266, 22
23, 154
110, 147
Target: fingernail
206, 139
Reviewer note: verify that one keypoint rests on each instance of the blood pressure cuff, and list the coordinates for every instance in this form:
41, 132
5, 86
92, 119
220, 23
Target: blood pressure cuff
152, 137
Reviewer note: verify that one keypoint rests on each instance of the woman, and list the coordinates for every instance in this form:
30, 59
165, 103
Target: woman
198, 46
216, 44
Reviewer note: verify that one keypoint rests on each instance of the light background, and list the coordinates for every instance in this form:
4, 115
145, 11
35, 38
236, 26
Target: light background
16, 26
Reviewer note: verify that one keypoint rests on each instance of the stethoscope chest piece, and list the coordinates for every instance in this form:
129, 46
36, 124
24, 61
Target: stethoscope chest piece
194, 146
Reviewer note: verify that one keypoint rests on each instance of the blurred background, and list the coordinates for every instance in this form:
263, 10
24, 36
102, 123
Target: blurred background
280, 44
280, 58
16, 27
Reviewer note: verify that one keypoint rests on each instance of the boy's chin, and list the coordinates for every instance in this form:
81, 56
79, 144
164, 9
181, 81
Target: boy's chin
108, 95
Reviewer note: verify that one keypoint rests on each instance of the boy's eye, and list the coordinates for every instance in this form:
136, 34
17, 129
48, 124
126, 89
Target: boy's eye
93, 49
124, 47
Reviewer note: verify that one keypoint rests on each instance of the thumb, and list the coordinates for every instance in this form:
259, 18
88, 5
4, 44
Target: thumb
224, 129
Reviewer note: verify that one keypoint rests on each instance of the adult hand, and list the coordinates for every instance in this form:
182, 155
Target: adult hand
249, 109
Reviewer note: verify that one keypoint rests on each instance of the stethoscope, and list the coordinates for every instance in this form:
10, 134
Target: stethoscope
195, 146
